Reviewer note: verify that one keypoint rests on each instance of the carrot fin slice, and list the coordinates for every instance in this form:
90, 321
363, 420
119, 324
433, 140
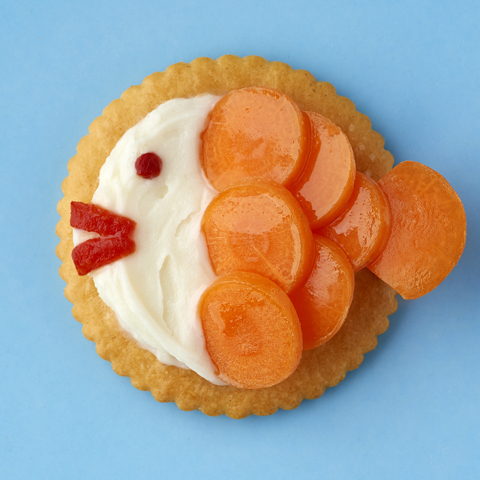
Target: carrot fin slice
429, 229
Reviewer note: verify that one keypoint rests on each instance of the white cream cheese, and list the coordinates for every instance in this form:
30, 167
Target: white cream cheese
155, 291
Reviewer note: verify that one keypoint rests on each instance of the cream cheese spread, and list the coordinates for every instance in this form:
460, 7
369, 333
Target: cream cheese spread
155, 291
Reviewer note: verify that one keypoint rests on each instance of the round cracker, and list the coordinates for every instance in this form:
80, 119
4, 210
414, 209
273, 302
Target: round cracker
320, 368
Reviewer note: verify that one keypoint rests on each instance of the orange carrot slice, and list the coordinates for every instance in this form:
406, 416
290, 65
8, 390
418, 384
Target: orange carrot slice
428, 234
259, 227
254, 132
252, 332
363, 228
322, 304
327, 182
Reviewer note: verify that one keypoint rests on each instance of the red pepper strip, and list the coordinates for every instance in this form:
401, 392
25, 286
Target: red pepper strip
98, 252
92, 218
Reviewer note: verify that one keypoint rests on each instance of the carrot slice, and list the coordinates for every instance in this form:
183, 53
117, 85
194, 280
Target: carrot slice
252, 332
429, 230
363, 228
259, 227
322, 304
254, 132
327, 182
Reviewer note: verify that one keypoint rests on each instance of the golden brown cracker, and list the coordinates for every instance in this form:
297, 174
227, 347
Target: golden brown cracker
322, 367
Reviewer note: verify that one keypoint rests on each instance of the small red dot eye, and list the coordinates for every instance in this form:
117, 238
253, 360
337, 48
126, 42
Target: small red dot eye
148, 165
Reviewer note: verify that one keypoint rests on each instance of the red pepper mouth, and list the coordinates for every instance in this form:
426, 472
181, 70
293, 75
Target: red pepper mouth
115, 241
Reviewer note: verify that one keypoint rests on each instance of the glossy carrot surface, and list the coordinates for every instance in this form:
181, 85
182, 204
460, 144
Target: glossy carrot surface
362, 229
326, 184
259, 227
428, 233
322, 304
254, 132
252, 332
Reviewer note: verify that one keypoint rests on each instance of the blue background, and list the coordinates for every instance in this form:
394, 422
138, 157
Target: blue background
410, 411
